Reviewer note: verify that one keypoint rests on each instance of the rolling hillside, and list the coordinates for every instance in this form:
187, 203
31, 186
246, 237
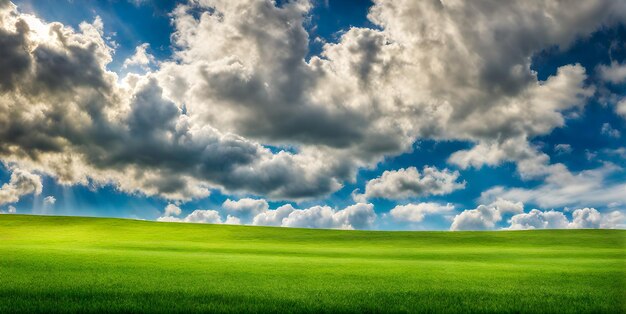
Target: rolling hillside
92, 264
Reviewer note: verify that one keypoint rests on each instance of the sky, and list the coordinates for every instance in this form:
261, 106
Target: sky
383, 115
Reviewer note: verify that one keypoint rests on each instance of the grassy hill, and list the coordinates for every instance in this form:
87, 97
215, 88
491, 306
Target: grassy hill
91, 264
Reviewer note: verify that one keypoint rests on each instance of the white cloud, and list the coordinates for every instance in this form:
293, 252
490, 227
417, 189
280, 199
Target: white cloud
10, 210
141, 58
485, 217
204, 216
563, 188
21, 183
620, 108
481, 218
614, 73
47, 205
417, 212
410, 183
245, 208
273, 217
172, 210
507, 207
357, 216
536, 219
197, 216
232, 220
614, 220
608, 130
583, 218
49, 200
563, 149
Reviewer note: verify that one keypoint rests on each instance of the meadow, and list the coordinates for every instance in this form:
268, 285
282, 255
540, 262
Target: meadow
70, 264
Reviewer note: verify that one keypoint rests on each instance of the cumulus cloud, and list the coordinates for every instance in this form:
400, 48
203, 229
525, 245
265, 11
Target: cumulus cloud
485, 217
197, 216
536, 219
614, 220
273, 217
481, 218
172, 210
245, 208
357, 216
257, 212
141, 58
203, 216
232, 220
614, 73
410, 183
583, 218
417, 212
21, 183
245, 81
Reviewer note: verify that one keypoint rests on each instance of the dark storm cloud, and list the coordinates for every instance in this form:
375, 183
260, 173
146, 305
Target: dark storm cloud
14, 58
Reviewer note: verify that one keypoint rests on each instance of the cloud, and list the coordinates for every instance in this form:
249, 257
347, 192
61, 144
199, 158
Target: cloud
172, 210
245, 208
141, 58
197, 216
357, 216
608, 130
563, 188
273, 217
620, 108
232, 220
485, 217
203, 120
537, 219
49, 200
508, 207
409, 183
257, 212
563, 149
583, 218
614, 73
204, 216
481, 218
417, 212
83, 127
21, 183
10, 210
614, 220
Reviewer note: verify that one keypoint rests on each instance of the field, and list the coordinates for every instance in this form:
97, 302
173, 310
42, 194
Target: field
65, 264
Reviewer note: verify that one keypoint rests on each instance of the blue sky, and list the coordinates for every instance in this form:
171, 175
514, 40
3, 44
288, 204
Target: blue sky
590, 140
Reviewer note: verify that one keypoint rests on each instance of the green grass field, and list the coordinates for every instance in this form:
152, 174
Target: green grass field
50, 264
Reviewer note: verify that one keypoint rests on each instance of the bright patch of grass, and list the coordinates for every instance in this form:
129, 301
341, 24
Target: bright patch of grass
94, 265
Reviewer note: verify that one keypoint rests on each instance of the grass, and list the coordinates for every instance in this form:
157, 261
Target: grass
70, 264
